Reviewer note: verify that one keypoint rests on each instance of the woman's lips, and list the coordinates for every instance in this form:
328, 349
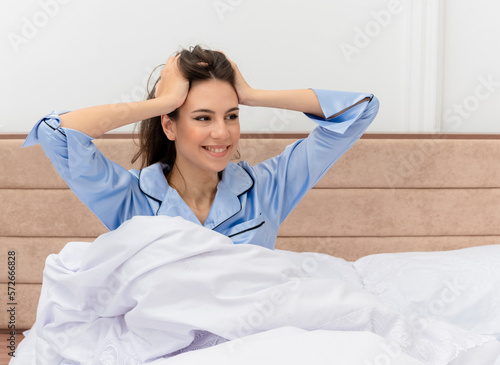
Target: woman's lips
217, 151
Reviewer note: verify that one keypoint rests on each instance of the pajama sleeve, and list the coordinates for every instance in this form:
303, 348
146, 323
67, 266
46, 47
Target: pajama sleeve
110, 191
282, 181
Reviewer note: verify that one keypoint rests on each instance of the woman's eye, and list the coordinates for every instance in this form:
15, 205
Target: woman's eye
202, 118
232, 116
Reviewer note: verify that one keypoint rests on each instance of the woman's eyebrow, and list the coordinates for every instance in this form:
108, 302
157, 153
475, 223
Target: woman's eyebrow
212, 112
203, 111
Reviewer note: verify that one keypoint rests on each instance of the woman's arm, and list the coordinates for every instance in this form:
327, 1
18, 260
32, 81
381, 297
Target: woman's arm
108, 189
284, 179
302, 100
97, 120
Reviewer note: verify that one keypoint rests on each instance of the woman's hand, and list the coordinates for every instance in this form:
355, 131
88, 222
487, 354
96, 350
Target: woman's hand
170, 93
243, 90
298, 100
173, 86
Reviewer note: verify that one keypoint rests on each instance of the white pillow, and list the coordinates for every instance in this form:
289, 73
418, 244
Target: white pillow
460, 286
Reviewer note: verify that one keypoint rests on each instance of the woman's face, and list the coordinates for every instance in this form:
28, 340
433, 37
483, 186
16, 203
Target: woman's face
207, 130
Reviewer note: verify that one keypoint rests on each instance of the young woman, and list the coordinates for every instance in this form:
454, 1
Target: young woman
189, 134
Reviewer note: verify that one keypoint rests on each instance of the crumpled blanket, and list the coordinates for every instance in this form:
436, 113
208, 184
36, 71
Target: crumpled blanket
159, 286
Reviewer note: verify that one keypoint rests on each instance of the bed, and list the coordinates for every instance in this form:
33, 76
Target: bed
389, 194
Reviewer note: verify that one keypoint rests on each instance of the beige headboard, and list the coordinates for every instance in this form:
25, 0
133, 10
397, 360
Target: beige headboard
386, 194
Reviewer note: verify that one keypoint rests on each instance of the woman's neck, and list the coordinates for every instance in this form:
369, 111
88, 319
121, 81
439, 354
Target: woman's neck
197, 189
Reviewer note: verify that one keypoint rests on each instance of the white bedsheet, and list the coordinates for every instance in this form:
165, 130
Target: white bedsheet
160, 286
293, 346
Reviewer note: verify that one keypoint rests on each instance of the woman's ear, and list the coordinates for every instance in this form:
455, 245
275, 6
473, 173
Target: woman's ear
168, 127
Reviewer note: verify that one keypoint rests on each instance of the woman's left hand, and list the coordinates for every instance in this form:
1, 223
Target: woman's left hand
243, 90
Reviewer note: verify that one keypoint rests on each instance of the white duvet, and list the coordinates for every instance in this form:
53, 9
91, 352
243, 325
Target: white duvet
158, 288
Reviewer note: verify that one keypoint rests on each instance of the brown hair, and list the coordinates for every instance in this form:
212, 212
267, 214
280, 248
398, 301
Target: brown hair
196, 64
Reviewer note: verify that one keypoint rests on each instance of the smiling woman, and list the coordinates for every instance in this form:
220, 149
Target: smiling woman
199, 138
190, 264
206, 140
188, 135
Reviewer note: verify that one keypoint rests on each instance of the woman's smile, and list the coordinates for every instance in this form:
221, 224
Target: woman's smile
217, 151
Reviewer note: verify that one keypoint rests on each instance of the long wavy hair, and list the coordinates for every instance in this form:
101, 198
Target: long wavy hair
196, 64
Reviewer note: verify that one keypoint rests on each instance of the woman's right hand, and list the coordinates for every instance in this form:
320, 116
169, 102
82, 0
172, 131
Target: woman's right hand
173, 86
170, 93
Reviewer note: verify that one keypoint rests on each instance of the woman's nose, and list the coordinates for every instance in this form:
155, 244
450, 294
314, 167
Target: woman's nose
219, 129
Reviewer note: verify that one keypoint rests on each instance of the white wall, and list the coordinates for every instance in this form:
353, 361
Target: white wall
418, 56
471, 95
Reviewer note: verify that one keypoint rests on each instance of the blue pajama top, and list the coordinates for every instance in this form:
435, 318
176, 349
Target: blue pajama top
251, 201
